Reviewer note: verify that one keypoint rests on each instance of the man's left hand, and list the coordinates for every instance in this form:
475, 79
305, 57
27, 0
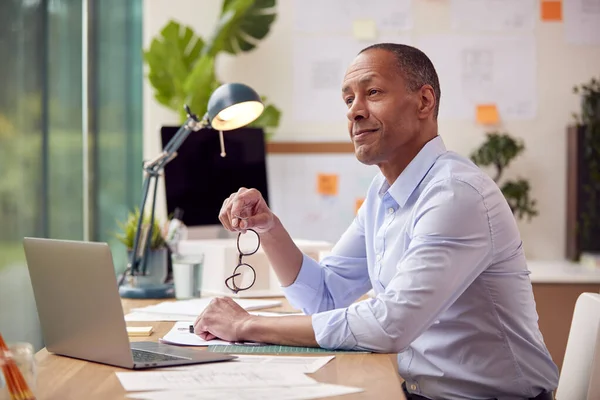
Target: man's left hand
223, 319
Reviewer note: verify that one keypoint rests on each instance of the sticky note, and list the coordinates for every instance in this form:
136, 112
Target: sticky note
327, 184
364, 29
487, 114
551, 11
139, 330
357, 205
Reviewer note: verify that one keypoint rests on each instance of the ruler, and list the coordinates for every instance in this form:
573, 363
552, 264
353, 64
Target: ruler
272, 349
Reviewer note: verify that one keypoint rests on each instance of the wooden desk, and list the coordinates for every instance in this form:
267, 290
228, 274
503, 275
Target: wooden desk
65, 378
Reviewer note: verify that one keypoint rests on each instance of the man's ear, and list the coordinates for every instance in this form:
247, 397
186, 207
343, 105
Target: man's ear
427, 101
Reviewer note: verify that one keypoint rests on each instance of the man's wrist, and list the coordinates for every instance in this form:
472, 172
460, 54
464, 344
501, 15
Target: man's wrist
273, 231
247, 328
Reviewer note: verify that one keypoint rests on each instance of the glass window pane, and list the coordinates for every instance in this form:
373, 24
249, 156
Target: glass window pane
21, 83
118, 177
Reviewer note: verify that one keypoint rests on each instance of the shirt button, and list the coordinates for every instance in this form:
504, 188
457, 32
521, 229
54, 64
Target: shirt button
390, 210
413, 387
378, 257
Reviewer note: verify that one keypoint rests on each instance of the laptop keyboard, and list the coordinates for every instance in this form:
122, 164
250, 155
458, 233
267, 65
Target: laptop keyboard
148, 356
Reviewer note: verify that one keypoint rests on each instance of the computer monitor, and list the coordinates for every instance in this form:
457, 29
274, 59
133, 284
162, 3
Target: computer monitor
198, 180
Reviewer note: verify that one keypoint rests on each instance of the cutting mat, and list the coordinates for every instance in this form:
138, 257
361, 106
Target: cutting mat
272, 349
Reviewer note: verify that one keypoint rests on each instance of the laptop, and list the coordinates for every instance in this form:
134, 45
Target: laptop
80, 311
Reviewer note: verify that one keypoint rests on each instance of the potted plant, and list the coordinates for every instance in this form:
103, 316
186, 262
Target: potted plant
584, 181
181, 64
158, 255
498, 150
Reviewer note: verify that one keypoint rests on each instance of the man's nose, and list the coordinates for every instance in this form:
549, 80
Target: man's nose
357, 111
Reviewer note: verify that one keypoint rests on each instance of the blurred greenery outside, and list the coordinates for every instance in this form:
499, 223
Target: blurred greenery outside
41, 90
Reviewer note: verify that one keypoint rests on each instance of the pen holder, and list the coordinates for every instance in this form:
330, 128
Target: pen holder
24, 356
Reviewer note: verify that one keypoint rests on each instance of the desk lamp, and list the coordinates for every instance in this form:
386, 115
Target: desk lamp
230, 106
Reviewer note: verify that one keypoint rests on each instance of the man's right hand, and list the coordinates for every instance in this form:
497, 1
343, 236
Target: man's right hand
246, 209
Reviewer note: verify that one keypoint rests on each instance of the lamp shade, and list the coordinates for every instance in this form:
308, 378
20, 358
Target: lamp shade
232, 106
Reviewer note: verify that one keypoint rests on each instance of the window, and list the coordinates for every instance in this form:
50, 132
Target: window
55, 182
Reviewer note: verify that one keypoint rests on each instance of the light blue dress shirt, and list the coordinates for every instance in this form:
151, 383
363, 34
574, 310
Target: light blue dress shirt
442, 252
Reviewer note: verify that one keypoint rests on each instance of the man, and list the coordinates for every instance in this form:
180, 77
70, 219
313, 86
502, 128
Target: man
435, 239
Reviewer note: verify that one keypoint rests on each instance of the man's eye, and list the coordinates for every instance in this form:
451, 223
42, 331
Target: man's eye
373, 91
349, 100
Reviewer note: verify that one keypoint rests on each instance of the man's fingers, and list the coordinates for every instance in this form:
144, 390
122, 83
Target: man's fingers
225, 213
256, 221
207, 336
243, 203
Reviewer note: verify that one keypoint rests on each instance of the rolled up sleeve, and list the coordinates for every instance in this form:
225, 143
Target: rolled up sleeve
338, 280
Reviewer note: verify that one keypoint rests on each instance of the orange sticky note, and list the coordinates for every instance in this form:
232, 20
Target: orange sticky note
487, 114
357, 205
551, 11
327, 184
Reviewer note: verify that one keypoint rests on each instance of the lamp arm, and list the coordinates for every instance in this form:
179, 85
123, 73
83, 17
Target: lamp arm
135, 259
152, 169
148, 241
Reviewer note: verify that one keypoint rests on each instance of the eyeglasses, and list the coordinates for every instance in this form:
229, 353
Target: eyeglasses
244, 276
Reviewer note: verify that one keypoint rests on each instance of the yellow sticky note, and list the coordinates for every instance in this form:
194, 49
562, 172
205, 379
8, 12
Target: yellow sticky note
364, 29
139, 330
551, 11
327, 184
487, 114
357, 204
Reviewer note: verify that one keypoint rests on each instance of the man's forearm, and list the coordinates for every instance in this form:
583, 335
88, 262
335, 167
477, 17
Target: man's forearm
285, 330
283, 254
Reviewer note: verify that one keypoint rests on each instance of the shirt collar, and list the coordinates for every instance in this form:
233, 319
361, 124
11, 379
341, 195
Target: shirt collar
414, 172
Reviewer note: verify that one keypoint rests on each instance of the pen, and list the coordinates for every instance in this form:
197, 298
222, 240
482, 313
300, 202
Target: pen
191, 328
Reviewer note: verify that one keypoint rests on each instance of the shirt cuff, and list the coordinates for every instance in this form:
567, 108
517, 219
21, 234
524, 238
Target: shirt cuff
307, 285
352, 328
332, 330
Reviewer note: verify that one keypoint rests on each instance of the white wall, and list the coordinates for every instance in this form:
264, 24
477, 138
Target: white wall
269, 70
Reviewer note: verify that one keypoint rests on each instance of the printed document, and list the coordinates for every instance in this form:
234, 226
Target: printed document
307, 392
193, 307
214, 376
306, 365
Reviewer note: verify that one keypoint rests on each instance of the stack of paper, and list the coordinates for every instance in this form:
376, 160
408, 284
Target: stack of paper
188, 310
277, 378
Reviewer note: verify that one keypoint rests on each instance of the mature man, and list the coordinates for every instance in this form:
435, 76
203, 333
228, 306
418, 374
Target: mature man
435, 239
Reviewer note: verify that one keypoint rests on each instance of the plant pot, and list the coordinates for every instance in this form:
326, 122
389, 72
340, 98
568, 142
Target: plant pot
157, 267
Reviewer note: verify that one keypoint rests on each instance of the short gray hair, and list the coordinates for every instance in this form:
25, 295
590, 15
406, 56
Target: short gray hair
416, 68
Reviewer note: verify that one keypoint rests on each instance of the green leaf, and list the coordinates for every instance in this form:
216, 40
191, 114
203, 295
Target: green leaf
268, 120
128, 229
242, 24
199, 85
171, 57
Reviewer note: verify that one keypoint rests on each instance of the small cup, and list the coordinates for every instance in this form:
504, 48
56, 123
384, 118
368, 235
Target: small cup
187, 276
24, 357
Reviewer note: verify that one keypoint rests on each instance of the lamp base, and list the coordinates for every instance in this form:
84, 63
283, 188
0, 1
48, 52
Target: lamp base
156, 291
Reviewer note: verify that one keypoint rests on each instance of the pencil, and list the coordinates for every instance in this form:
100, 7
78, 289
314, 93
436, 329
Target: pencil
17, 386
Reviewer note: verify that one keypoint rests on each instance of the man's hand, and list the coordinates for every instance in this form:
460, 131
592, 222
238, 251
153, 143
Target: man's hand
246, 209
222, 319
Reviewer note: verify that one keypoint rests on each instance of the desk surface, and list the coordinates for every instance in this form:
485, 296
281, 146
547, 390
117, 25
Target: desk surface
561, 271
65, 378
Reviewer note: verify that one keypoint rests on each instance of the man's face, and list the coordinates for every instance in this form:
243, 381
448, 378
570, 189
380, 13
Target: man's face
382, 114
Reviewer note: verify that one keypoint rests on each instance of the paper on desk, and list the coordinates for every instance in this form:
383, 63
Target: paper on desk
306, 365
258, 393
194, 307
150, 316
217, 375
180, 334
